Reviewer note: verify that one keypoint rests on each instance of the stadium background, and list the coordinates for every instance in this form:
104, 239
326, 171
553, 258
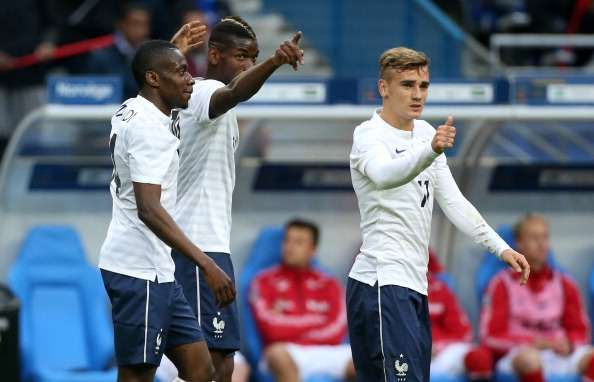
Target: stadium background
515, 76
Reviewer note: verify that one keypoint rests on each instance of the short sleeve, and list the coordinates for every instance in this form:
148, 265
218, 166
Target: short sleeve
199, 104
150, 152
366, 146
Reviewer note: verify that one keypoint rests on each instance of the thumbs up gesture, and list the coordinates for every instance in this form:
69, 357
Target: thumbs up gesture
444, 137
289, 52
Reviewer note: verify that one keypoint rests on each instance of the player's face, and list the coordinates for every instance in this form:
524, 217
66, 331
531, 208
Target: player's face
238, 58
298, 247
533, 242
405, 92
175, 82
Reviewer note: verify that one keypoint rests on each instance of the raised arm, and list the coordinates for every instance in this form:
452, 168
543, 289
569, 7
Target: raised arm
156, 218
246, 84
372, 158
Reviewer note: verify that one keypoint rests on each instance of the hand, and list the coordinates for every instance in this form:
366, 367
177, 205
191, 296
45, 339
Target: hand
6, 61
562, 346
517, 262
289, 52
44, 51
444, 136
190, 36
219, 283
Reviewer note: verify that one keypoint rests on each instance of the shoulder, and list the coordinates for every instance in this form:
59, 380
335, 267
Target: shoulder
202, 84
366, 130
424, 127
569, 284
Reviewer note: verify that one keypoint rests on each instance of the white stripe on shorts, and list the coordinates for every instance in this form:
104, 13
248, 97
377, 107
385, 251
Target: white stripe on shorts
379, 302
198, 295
146, 310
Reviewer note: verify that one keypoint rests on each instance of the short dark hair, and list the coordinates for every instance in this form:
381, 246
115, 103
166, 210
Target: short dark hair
147, 57
227, 29
129, 6
301, 223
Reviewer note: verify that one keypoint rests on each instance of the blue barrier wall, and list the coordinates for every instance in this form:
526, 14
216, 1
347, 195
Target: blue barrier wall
353, 33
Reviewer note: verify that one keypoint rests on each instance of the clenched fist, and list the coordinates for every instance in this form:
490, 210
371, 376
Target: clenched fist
444, 137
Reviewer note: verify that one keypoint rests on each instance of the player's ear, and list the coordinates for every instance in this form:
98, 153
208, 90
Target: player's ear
382, 87
214, 56
151, 78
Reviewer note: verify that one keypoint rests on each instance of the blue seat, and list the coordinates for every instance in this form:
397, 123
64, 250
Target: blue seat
66, 333
265, 253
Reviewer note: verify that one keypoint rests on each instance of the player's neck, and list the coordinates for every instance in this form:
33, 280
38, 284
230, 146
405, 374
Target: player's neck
157, 101
393, 120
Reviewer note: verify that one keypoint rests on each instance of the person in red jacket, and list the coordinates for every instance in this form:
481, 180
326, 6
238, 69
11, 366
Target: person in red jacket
300, 312
542, 328
453, 352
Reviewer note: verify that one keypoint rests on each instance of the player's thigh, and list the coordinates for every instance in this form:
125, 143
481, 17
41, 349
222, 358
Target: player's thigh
450, 360
192, 361
136, 373
141, 317
220, 326
406, 335
364, 330
328, 360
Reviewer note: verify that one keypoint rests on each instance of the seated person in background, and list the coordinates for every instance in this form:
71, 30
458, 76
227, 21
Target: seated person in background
132, 29
539, 329
453, 352
300, 312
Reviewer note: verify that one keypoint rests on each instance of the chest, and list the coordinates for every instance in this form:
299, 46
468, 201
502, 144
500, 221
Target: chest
294, 295
542, 305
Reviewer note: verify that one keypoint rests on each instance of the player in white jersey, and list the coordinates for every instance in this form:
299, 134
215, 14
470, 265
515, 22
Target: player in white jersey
397, 169
150, 313
209, 137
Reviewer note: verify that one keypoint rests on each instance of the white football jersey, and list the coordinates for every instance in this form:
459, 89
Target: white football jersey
144, 150
207, 170
396, 176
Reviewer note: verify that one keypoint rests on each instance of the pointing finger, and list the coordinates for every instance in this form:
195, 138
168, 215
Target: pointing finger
297, 37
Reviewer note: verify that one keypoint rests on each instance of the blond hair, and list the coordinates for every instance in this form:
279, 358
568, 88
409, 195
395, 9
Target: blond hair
401, 59
519, 226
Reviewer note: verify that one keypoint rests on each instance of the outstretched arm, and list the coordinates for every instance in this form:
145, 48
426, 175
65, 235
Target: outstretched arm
468, 220
246, 84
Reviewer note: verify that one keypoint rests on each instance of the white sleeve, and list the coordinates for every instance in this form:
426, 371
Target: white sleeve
371, 157
149, 154
462, 213
199, 104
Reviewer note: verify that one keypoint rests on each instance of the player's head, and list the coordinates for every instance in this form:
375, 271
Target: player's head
160, 70
232, 48
404, 81
134, 22
532, 239
300, 242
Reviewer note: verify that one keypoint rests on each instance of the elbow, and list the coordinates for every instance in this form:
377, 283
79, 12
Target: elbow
145, 213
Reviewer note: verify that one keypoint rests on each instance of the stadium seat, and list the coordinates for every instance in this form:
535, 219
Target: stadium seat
265, 253
66, 332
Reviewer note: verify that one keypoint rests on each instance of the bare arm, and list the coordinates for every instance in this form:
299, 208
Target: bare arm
246, 84
156, 218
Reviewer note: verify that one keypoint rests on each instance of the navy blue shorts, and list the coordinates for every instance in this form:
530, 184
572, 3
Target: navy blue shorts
390, 333
149, 318
220, 327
